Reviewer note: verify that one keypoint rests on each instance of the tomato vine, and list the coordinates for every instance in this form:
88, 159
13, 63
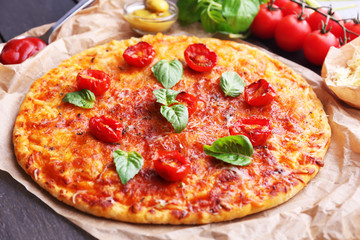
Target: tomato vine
329, 16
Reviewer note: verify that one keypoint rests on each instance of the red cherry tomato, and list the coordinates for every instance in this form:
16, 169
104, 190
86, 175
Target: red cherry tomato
199, 57
259, 93
18, 50
290, 33
189, 100
296, 9
266, 21
256, 129
280, 3
172, 166
317, 45
106, 129
140, 54
316, 20
94, 80
353, 26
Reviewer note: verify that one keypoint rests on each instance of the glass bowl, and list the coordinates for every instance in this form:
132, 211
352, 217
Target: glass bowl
144, 25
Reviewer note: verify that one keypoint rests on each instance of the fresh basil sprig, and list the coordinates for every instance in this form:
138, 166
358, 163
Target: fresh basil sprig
225, 16
236, 150
83, 98
167, 72
207, 21
177, 114
232, 84
240, 14
127, 164
189, 11
166, 96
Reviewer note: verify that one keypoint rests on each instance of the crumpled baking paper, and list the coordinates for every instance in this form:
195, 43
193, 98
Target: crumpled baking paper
328, 208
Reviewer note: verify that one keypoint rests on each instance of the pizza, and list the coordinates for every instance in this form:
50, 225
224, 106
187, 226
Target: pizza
171, 130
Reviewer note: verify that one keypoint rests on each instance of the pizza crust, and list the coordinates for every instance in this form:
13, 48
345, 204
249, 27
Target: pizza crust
53, 145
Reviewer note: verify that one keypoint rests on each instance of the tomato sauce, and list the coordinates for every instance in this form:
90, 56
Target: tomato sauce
84, 165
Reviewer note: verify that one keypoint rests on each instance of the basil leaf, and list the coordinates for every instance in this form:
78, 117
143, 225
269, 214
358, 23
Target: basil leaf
167, 72
189, 11
224, 16
207, 23
216, 16
177, 115
225, 28
166, 96
83, 98
236, 150
240, 14
232, 84
127, 164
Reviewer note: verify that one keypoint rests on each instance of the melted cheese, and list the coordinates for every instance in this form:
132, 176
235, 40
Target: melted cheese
53, 142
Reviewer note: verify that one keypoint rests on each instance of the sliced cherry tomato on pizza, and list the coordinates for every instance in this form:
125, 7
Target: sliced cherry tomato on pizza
172, 166
256, 129
106, 129
259, 93
140, 54
96, 81
189, 100
200, 58
18, 50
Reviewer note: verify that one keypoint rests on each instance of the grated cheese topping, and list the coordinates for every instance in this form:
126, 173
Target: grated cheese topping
53, 142
350, 74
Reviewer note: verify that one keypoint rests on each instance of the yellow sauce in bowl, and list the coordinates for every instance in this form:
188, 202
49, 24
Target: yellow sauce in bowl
155, 16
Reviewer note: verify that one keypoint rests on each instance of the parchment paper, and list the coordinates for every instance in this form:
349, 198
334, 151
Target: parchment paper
328, 208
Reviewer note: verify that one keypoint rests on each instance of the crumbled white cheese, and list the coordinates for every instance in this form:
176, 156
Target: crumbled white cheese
349, 75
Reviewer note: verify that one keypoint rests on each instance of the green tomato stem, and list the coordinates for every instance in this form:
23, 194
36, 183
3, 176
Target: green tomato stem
311, 2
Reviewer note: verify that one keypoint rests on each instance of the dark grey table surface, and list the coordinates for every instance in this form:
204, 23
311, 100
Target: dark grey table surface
23, 215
